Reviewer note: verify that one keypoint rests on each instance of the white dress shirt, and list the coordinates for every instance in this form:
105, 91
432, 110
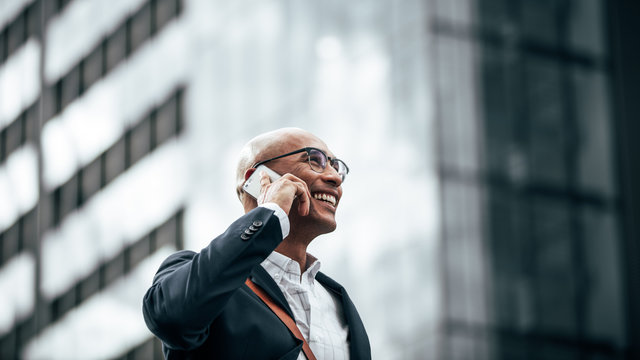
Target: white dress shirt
317, 312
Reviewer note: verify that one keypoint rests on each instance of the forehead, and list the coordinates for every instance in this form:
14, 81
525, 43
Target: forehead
293, 142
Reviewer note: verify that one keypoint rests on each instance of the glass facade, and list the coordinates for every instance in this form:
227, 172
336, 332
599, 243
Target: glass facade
531, 231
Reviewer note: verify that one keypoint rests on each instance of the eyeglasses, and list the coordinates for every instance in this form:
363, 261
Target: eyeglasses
317, 160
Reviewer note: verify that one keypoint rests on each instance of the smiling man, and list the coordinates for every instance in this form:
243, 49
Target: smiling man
254, 292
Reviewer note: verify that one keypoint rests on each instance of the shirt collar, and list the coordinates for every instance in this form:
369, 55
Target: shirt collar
280, 266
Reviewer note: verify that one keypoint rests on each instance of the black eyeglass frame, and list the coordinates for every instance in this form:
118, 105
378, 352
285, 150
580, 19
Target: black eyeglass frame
330, 160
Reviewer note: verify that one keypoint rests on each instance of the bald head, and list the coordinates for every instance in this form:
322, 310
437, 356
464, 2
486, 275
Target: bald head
268, 145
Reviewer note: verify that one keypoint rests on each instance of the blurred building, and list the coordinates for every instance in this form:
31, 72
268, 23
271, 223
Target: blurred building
78, 133
490, 214
539, 245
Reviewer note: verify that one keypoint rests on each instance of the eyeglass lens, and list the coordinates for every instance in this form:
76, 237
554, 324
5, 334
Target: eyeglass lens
318, 161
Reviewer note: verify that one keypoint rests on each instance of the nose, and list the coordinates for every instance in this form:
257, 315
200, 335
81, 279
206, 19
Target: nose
330, 175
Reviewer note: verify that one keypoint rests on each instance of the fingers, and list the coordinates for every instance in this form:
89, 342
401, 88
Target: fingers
302, 193
304, 198
284, 191
265, 181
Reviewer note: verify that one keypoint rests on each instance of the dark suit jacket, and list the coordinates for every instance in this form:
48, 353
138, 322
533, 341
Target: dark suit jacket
199, 306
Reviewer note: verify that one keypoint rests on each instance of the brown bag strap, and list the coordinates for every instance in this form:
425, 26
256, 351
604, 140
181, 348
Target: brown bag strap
284, 317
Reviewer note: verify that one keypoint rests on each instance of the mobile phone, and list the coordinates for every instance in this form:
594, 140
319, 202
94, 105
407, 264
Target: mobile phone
252, 185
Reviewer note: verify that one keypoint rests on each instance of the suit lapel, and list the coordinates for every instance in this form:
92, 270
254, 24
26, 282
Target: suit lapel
359, 347
262, 278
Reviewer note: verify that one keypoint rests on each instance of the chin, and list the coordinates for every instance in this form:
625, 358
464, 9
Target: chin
329, 227
322, 221
324, 226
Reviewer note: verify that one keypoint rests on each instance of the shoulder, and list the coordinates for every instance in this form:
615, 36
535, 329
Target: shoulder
177, 258
174, 261
329, 282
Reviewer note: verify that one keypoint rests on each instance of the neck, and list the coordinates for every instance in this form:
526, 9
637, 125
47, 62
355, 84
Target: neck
295, 247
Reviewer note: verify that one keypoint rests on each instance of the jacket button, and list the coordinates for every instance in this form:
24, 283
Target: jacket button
245, 237
248, 232
257, 223
253, 228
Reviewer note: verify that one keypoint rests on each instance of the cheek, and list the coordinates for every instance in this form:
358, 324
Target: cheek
298, 170
306, 175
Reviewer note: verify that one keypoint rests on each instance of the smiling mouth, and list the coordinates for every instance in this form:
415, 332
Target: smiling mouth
325, 197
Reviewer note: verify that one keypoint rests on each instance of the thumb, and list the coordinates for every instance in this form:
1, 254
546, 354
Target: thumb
264, 180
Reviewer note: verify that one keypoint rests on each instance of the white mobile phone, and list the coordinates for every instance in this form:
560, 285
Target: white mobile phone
252, 185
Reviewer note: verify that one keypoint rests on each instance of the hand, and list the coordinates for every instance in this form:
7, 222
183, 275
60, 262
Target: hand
284, 191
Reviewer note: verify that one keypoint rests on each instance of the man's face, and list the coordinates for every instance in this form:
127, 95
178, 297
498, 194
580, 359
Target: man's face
327, 185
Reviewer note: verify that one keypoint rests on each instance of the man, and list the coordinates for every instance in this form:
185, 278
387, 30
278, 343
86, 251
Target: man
201, 304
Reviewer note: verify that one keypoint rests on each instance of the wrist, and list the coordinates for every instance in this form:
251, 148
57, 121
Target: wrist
281, 215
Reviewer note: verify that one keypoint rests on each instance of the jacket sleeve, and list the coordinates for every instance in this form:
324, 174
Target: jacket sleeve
191, 289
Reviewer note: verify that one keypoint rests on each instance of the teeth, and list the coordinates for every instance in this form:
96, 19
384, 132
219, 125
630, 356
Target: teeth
324, 197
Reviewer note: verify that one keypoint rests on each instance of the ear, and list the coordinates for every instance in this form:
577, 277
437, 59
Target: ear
248, 173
